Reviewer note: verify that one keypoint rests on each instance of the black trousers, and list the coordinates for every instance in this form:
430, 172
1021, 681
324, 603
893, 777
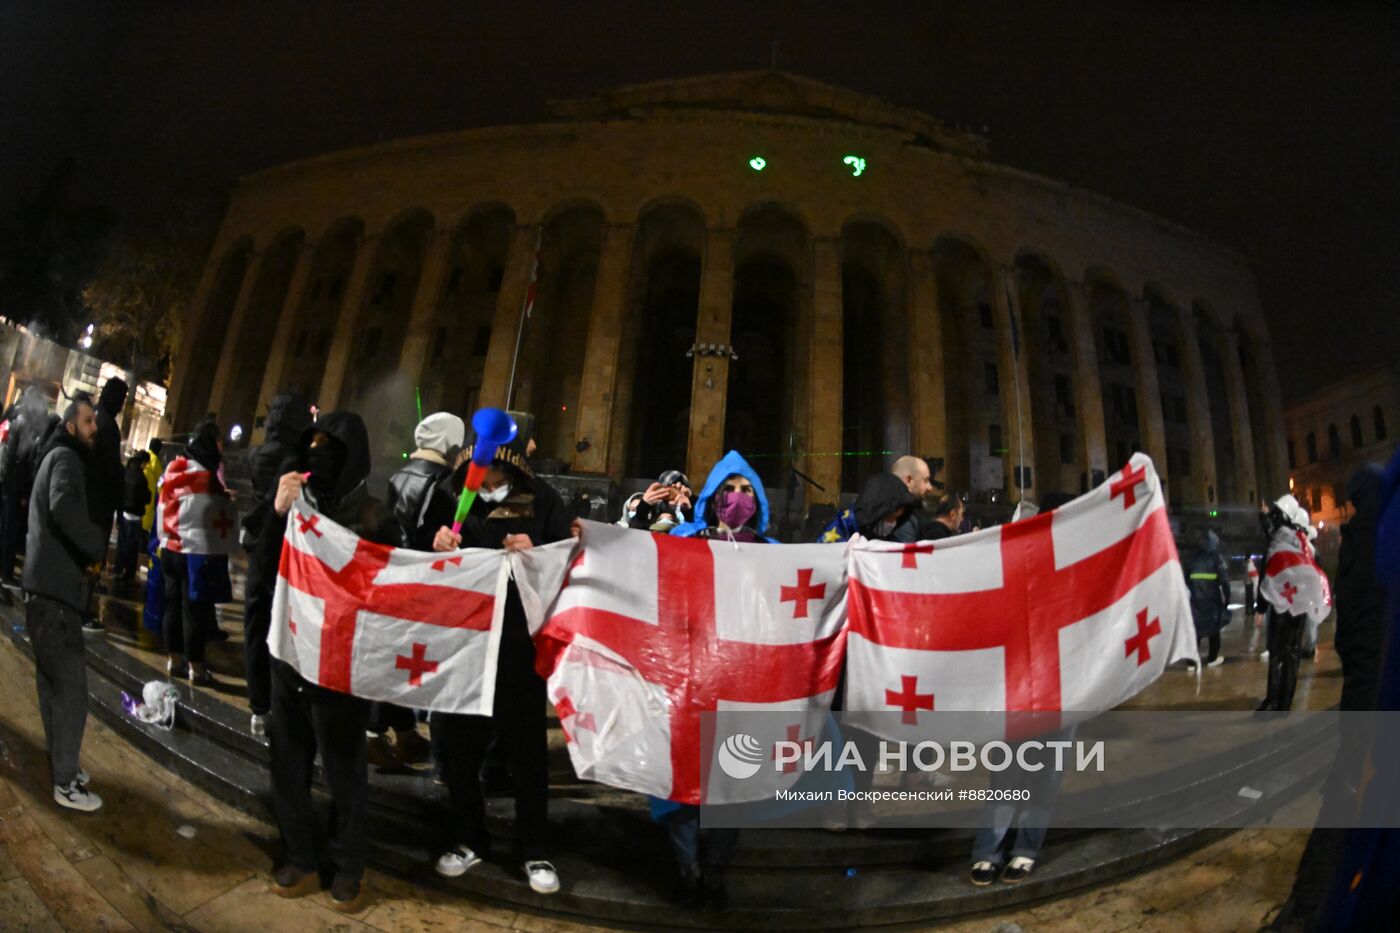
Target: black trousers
257, 620
305, 719
131, 542
520, 722
1285, 641
14, 532
60, 674
186, 623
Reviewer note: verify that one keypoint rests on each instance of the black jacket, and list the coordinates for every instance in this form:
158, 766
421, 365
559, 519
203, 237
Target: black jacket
882, 494
28, 427
409, 490
1360, 597
63, 540
287, 417
136, 492
105, 479
1208, 580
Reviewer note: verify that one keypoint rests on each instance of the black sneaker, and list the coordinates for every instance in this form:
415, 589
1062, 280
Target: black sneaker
347, 894
290, 881
1018, 870
983, 873
716, 892
687, 890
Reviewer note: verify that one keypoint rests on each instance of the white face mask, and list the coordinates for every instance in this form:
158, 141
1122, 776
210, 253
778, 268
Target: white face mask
496, 495
885, 528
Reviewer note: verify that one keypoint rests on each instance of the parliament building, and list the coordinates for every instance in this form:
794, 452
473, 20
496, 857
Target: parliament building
812, 276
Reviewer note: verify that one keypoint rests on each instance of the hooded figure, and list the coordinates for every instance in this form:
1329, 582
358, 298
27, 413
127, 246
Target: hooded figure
727, 514
306, 718
1290, 606
1360, 597
1208, 580
439, 439
884, 510
105, 479
28, 426
513, 510
287, 416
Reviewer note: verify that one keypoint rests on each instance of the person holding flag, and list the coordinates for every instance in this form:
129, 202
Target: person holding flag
1294, 592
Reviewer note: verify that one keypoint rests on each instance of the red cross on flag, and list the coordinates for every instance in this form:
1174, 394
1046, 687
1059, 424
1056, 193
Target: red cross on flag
1075, 609
193, 514
406, 627
649, 632
1294, 583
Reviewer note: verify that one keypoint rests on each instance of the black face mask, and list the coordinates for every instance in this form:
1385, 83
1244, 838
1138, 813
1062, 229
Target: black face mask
325, 462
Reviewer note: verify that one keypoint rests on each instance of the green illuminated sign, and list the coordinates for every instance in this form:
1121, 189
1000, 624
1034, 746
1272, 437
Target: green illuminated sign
758, 163
856, 163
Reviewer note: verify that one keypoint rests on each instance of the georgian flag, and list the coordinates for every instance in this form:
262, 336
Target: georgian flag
1073, 610
650, 632
193, 514
415, 628
1294, 583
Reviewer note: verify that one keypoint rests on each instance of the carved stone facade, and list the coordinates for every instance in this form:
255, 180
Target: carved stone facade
750, 260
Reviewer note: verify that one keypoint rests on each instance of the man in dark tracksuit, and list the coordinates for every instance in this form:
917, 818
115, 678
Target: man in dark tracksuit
63, 543
305, 718
287, 417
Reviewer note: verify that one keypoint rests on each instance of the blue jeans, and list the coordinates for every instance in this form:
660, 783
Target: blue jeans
1016, 829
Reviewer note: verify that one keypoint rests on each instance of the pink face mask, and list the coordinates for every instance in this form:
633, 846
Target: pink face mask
735, 508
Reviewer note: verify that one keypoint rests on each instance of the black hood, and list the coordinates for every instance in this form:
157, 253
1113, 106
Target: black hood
204, 446
112, 397
882, 494
1364, 494
349, 430
1210, 542
287, 416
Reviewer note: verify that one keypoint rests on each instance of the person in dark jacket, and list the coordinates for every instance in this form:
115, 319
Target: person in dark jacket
664, 505
884, 510
514, 511
287, 417
438, 438
948, 513
105, 483
306, 718
1208, 579
136, 495
28, 427
63, 543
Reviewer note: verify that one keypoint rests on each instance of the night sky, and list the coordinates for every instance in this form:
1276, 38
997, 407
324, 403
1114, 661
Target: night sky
1271, 127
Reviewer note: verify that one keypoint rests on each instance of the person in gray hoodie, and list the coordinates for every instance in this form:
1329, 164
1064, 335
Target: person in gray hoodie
63, 543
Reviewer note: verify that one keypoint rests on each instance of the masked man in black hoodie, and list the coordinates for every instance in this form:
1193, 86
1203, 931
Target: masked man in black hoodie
105, 482
306, 718
287, 417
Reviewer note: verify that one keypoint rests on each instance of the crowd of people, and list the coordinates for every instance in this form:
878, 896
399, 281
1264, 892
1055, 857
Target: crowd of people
64, 486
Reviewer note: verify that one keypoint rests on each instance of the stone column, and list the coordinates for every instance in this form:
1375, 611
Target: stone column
1197, 411
1272, 422
1088, 388
413, 357
825, 356
1239, 417
1013, 375
1151, 429
927, 409
597, 398
228, 359
515, 282
198, 309
292, 304
709, 389
343, 338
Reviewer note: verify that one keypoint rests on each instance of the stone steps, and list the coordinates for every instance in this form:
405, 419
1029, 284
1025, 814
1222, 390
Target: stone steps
615, 863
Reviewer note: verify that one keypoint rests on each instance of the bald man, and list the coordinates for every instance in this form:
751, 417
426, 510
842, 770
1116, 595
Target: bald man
915, 473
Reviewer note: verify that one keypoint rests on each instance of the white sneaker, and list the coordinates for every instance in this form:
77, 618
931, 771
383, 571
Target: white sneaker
258, 725
82, 777
1219, 660
456, 861
76, 796
1264, 655
543, 878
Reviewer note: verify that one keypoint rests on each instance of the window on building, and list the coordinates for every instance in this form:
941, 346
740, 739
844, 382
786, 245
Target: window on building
994, 440
1356, 440
990, 381
483, 341
1317, 499
1334, 442
984, 314
1130, 412
1053, 334
1312, 447
337, 285
1179, 405
1378, 417
299, 347
1066, 448
1064, 398
494, 277
370, 348
439, 344
1183, 460
385, 289
454, 279
316, 289
1292, 455
323, 342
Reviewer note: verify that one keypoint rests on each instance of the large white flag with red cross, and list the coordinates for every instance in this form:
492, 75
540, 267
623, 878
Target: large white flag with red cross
1294, 583
1075, 609
650, 632
408, 627
194, 515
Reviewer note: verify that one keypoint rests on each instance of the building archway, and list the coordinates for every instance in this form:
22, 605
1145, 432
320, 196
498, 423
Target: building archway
205, 351
259, 328
1060, 457
315, 321
663, 299
1182, 466
977, 439
1264, 473
1218, 399
1122, 409
875, 407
